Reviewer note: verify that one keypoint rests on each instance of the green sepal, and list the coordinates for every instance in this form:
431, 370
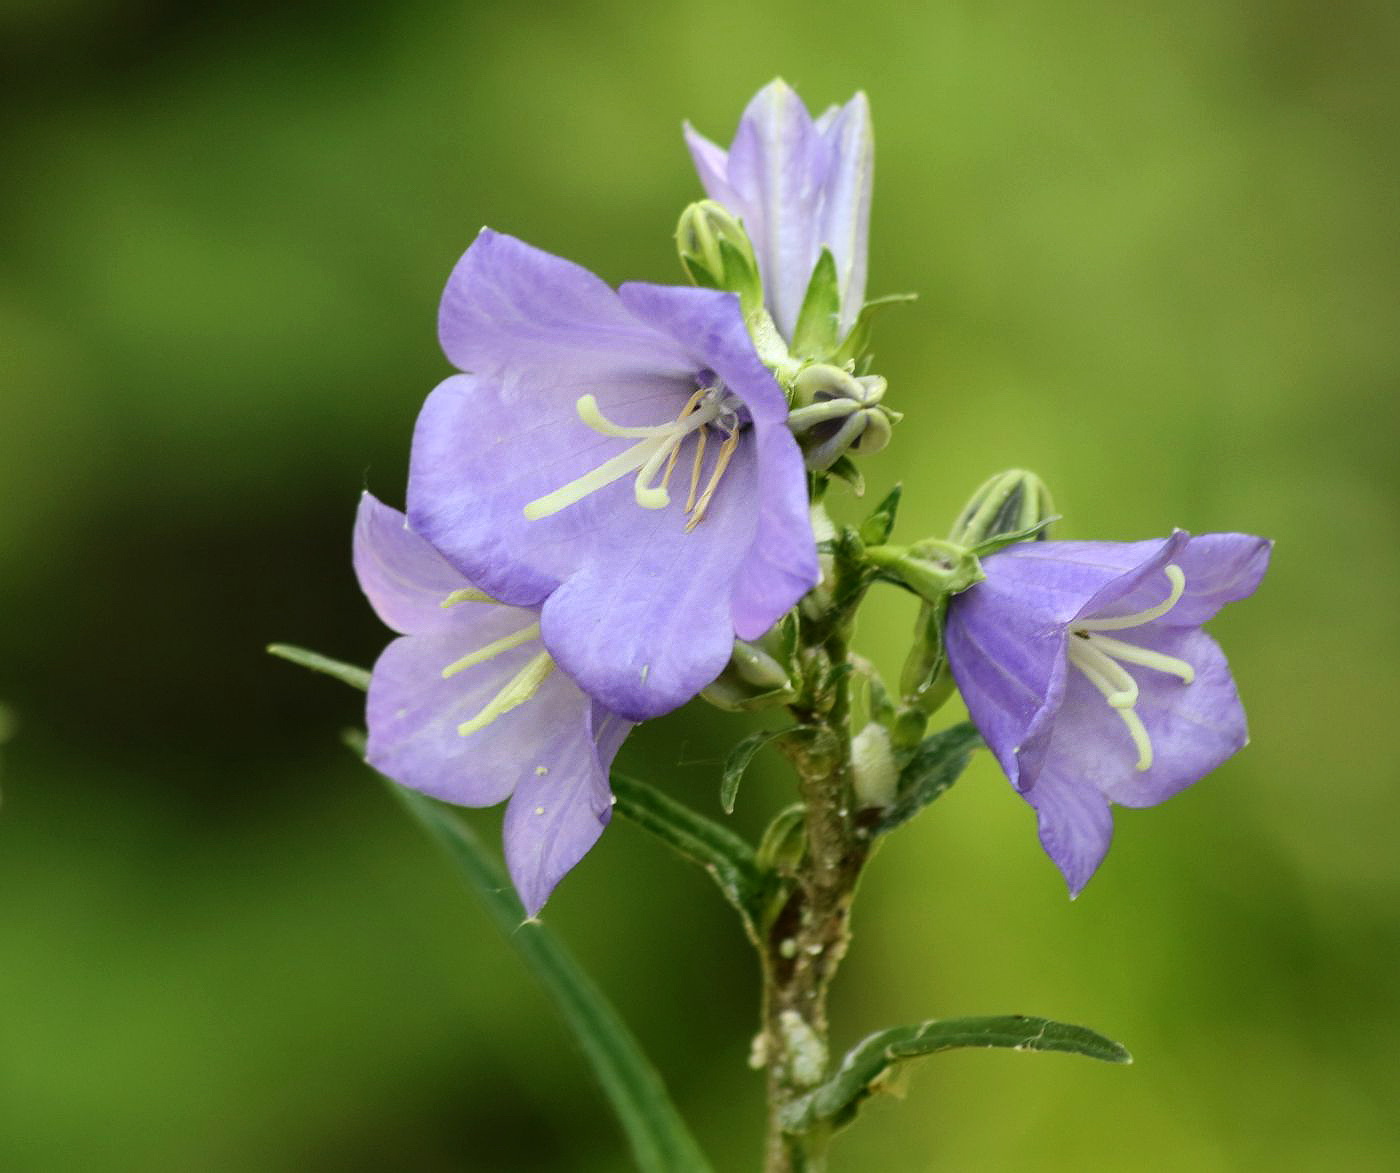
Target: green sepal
930, 568
1032, 533
875, 530
737, 761
845, 470
346, 673
868, 1064
660, 1140
724, 855
853, 348
784, 841
934, 766
815, 335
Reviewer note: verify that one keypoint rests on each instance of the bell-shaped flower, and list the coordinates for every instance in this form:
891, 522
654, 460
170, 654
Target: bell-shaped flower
1084, 666
800, 185
619, 459
466, 706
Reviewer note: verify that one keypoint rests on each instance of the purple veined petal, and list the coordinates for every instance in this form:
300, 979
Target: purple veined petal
510, 307
560, 806
1141, 588
1061, 580
712, 165
643, 629
1194, 727
1219, 569
845, 214
777, 166
1075, 823
413, 713
404, 578
478, 459
711, 326
782, 564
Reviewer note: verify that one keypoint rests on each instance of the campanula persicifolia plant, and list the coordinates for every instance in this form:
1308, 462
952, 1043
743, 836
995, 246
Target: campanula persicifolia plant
617, 505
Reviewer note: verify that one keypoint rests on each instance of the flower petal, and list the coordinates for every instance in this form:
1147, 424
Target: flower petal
553, 325
781, 565
777, 165
413, 713
643, 629
1076, 825
1219, 569
845, 214
403, 577
561, 805
712, 165
710, 326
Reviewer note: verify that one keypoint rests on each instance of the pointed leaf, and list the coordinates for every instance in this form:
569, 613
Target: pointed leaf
875, 530
738, 761
348, 673
728, 859
866, 1063
815, 335
660, 1140
935, 765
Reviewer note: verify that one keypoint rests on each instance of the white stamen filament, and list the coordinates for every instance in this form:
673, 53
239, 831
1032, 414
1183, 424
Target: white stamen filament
467, 595
519, 689
652, 457
1097, 656
492, 650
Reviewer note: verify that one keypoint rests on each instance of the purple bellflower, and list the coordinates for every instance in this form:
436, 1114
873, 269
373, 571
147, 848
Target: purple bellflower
619, 459
799, 185
1084, 666
465, 706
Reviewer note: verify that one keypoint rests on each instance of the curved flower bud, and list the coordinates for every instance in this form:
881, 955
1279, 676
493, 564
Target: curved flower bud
716, 253
800, 186
1085, 670
835, 412
619, 459
1011, 503
465, 706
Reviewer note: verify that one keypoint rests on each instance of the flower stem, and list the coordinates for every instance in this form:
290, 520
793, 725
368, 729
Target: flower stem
809, 933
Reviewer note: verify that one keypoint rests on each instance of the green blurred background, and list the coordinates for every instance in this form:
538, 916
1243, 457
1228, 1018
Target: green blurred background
1156, 251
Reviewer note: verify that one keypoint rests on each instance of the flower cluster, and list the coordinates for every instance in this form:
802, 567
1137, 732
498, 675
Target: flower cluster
610, 506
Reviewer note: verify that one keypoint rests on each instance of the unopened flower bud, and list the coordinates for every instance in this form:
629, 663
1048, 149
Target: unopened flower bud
835, 412
716, 252
1011, 503
756, 676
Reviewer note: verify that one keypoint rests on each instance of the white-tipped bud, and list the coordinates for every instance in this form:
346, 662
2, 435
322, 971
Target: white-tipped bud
874, 775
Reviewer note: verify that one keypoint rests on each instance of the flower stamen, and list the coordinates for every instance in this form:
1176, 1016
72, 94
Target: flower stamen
492, 650
519, 689
653, 457
1098, 657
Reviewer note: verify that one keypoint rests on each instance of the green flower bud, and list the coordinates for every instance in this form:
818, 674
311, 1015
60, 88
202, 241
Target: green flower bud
716, 253
757, 676
1012, 506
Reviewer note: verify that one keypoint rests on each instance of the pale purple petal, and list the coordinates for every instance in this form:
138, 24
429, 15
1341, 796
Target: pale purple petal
777, 166
710, 326
1076, 825
781, 565
404, 578
1219, 569
646, 628
510, 307
712, 165
559, 809
413, 713
845, 214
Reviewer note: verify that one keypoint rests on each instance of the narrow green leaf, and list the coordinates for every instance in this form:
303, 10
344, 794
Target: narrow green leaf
814, 335
738, 761
727, 857
845, 470
660, 1140
935, 765
855, 343
865, 1064
875, 530
348, 673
